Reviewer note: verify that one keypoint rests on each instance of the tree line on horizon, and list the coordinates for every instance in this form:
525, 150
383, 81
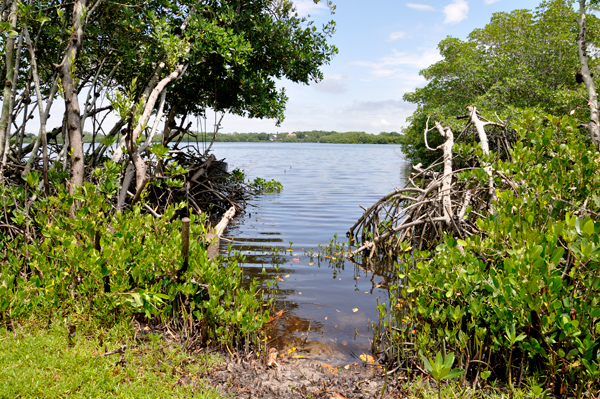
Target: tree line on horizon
313, 136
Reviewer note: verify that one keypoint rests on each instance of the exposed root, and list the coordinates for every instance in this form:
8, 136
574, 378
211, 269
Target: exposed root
434, 201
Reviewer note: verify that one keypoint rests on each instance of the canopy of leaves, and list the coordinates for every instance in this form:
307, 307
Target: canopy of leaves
235, 50
519, 60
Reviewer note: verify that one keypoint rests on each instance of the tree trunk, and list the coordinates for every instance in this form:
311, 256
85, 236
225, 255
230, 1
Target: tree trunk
143, 101
8, 85
593, 125
447, 179
485, 147
43, 114
15, 78
73, 116
149, 106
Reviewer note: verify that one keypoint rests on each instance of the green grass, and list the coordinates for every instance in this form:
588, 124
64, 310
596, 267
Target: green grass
45, 363
426, 389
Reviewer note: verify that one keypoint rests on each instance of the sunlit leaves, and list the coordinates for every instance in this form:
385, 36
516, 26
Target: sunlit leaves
529, 283
519, 60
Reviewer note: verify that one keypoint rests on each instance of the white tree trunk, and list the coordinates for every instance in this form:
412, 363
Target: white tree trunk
139, 164
485, 147
148, 108
447, 178
8, 86
43, 117
593, 125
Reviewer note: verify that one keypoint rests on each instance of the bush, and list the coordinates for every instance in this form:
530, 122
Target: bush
523, 298
113, 266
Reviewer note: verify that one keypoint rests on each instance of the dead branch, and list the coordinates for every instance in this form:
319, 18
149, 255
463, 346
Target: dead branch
434, 201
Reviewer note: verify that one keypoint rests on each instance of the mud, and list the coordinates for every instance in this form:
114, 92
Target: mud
287, 376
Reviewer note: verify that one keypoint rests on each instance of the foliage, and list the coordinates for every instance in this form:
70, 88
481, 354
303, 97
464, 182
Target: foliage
266, 186
441, 369
519, 60
258, 185
45, 362
521, 297
111, 267
176, 58
235, 50
422, 388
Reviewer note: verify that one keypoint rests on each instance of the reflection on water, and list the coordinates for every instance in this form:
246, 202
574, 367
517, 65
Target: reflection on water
331, 298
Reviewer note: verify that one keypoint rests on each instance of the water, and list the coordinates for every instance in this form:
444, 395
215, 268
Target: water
324, 184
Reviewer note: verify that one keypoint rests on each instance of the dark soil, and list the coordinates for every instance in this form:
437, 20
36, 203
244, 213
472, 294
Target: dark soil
246, 376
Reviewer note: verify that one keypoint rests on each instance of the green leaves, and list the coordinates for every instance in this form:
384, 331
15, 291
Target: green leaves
512, 337
118, 265
159, 150
527, 284
503, 68
441, 368
33, 179
261, 185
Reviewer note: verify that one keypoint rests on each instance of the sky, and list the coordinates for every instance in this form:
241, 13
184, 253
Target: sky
382, 46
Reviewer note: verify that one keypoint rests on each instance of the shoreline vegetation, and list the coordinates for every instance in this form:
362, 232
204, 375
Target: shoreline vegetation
313, 136
104, 264
106, 286
494, 241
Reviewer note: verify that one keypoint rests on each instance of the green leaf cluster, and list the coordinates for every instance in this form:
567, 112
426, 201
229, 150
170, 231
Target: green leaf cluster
110, 266
524, 59
261, 185
525, 293
234, 51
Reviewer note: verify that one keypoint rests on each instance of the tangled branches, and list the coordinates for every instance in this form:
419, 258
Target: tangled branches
437, 199
206, 186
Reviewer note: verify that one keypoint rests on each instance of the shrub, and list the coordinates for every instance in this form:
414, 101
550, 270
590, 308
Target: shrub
111, 266
522, 299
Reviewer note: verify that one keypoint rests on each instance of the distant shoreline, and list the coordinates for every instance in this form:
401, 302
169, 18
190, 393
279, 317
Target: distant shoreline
314, 136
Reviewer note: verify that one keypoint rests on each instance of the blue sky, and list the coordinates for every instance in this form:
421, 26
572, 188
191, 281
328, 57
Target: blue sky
382, 46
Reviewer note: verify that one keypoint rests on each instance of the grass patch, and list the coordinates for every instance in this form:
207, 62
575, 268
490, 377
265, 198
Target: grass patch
46, 362
422, 388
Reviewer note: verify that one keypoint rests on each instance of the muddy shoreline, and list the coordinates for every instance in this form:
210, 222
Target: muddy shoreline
249, 376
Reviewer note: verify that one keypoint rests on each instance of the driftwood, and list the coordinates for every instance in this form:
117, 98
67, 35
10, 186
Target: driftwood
121, 350
214, 238
432, 202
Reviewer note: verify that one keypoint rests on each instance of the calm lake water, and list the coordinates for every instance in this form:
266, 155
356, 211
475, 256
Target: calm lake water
324, 184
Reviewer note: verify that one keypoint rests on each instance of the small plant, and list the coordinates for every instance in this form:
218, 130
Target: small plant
261, 185
441, 369
512, 339
115, 267
237, 175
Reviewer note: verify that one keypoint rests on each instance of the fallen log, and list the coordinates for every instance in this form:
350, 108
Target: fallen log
213, 239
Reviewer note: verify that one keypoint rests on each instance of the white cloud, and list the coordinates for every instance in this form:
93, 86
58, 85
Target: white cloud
396, 35
330, 86
306, 114
380, 123
373, 107
456, 11
305, 7
387, 67
488, 2
420, 7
